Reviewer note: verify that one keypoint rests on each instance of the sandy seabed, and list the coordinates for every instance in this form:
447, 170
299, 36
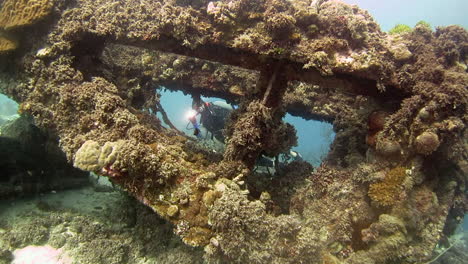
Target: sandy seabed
87, 226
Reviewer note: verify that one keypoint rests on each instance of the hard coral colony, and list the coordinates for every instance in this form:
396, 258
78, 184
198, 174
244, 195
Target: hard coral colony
16, 14
324, 60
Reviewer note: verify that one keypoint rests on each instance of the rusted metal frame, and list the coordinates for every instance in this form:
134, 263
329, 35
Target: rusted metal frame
291, 70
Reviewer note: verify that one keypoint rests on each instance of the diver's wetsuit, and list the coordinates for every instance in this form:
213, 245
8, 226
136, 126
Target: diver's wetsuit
213, 116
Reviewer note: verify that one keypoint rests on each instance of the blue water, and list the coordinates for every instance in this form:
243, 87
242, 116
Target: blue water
8, 107
8, 110
437, 12
177, 106
314, 138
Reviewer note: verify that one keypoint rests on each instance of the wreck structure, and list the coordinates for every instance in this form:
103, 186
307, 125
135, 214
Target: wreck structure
392, 186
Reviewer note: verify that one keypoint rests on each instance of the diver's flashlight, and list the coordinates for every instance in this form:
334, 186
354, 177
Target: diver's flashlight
191, 114
192, 117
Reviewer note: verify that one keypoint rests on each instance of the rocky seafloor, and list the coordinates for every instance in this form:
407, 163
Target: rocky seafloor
87, 226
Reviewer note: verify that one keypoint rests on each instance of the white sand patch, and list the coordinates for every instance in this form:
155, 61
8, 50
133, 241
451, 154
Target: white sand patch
40, 255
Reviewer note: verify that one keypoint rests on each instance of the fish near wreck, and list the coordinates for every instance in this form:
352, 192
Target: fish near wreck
326, 60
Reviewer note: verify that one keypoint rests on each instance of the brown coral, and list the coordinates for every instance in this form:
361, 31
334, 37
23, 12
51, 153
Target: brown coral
7, 45
377, 120
452, 43
386, 193
281, 24
15, 13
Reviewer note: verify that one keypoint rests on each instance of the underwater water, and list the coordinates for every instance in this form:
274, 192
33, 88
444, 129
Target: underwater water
8, 109
330, 158
435, 12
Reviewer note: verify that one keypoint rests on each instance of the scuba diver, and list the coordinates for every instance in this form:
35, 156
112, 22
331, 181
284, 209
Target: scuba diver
278, 162
213, 116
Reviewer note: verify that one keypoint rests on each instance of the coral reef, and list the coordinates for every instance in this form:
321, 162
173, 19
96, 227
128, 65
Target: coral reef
113, 229
398, 105
423, 24
387, 192
375, 124
16, 13
399, 29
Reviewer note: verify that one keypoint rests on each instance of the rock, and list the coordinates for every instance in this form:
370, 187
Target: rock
426, 143
400, 52
388, 148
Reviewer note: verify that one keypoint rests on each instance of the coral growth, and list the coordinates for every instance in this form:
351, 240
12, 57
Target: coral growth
20, 13
386, 235
16, 13
247, 139
375, 124
91, 229
92, 157
7, 44
389, 190
399, 29
451, 43
423, 24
